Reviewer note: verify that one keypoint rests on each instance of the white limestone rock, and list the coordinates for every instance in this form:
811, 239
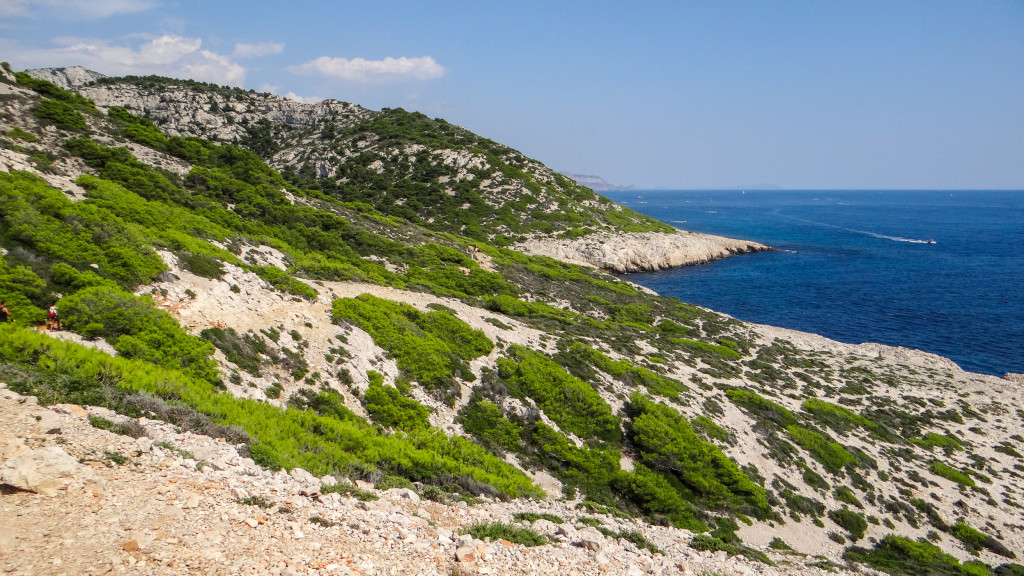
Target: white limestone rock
69, 78
44, 471
639, 251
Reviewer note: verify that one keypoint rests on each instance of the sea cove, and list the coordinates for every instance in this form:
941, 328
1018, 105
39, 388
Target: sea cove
857, 266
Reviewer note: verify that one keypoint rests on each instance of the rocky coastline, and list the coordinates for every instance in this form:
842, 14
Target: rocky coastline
625, 252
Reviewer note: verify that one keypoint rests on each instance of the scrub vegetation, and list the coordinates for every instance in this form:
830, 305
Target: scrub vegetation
639, 406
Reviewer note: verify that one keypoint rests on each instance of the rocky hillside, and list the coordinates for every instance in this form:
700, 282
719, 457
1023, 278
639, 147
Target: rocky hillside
405, 164
222, 323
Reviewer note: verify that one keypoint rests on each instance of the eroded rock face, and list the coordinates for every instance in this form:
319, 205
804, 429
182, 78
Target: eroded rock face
69, 78
640, 251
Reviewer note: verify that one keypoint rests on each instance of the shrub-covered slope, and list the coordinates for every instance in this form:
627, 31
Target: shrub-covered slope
340, 335
425, 170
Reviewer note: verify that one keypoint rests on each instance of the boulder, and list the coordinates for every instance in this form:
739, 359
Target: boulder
303, 477
545, 526
465, 554
44, 471
49, 423
591, 539
402, 494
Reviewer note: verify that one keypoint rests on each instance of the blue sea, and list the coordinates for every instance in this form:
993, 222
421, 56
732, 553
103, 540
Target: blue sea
859, 266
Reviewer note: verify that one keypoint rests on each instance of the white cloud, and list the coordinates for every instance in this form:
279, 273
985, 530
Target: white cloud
174, 56
303, 99
243, 50
89, 9
361, 70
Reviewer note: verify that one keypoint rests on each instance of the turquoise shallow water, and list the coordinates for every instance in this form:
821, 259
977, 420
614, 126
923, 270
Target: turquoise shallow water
857, 266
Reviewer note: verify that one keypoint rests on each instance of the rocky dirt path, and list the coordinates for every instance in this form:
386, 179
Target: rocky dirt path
80, 500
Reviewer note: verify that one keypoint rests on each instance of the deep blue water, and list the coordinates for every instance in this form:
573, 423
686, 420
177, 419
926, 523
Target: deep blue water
856, 266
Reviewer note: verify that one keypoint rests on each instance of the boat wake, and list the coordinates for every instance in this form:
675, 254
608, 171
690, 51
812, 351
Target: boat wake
893, 238
864, 232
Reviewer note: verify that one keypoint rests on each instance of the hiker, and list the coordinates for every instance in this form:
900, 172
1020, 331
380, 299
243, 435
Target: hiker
52, 322
5, 315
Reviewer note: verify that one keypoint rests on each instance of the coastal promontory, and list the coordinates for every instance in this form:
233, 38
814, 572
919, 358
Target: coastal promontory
622, 252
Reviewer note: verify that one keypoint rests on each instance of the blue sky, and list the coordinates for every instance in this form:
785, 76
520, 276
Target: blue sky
849, 95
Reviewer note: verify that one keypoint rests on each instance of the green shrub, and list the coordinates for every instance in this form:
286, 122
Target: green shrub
639, 540
844, 494
138, 129
138, 329
258, 501
1008, 449
501, 531
431, 348
709, 543
129, 428
710, 430
242, 350
78, 234
60, 114
510, 306
390, 409
348, 489
704, 348
484, 421
976, 540
842, 419
901, 556
667, 443
22, 135
852, 522
658, 497
201, 265
25, 292
823, 449
321, 521
948, 443
534, 516
950, 473
578, 356
567, 400
761, 408
274, 391
391, 481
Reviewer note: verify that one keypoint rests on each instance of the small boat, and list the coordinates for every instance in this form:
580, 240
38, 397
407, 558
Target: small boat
931, 241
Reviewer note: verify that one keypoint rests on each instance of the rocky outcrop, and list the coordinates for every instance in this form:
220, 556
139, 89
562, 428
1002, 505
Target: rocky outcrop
182, 112
640, 251
1014, 377
69, 78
